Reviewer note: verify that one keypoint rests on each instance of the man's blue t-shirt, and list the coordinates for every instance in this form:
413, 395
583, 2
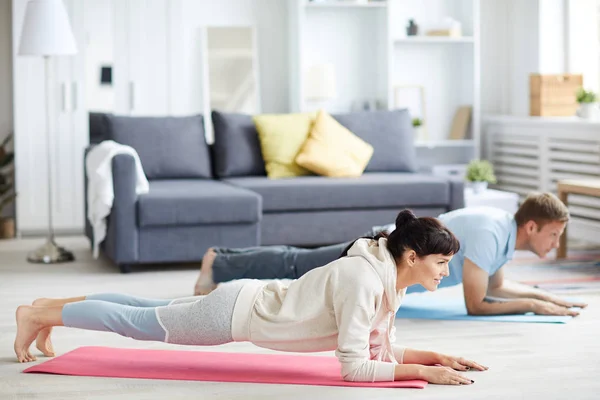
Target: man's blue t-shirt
487, 237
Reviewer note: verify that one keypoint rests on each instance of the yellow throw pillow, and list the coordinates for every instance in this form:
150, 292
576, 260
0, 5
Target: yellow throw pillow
281, 136
332, 150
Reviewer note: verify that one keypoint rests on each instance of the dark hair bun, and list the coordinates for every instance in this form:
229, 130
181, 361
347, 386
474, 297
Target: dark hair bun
404, 218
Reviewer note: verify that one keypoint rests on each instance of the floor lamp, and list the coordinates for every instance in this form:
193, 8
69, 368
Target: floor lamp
47, 32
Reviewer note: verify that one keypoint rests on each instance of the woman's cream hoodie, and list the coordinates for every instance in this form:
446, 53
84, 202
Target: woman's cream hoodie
348, 306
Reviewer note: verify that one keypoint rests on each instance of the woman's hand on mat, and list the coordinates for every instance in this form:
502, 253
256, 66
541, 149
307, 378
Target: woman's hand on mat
444, 376
459, 363
547, 308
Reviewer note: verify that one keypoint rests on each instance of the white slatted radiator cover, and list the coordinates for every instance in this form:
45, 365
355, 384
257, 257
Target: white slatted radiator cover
532, 154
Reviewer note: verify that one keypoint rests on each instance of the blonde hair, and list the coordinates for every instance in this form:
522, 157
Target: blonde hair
541, 208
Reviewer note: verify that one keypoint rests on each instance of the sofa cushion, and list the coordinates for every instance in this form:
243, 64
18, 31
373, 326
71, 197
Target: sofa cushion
98, 127
332, 150
281, 137
197, 202
237, 148
370, 191
391, 135
169, 147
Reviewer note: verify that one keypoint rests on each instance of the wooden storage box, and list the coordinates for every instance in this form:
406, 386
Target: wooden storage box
553, 95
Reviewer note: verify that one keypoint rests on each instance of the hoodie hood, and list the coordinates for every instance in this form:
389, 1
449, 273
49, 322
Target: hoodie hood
377, 254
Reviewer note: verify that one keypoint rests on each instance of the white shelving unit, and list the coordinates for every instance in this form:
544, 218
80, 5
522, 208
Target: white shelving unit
231, 53
340, 4
371, 54
434, 39
353, 37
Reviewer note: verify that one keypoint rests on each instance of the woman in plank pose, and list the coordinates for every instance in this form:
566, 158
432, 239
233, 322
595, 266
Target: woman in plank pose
348, 306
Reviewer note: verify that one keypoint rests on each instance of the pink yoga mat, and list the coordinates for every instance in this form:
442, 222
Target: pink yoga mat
206, 366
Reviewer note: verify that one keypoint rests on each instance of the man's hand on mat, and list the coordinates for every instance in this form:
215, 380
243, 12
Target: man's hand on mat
547, 308
568, 304
444, 376
459, 363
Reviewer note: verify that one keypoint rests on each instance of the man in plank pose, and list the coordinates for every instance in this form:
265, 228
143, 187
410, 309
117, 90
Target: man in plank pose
488, 239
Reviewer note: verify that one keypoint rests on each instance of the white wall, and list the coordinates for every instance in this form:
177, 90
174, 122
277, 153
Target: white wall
495, 57
583, 41
523, 19
6, 108
535, 36
6, 104
100, 40
552, 37
269, 17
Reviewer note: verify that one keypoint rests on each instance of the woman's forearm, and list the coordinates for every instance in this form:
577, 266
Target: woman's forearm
405, 372
414, 356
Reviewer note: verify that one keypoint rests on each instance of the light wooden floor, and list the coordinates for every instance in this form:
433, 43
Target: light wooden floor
540, 361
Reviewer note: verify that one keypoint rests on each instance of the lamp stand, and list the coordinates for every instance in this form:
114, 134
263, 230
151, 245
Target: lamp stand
49, 252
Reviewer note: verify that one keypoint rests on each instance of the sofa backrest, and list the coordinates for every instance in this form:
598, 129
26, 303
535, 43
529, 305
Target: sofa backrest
168, 147
98, 129
390, 133
236, 149
237, 152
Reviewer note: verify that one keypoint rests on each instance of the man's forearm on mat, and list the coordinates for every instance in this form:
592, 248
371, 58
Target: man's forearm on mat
491, 306
515, 290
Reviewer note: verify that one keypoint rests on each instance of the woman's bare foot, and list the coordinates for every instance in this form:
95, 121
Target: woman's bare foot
205, 283
43, 341
28, 328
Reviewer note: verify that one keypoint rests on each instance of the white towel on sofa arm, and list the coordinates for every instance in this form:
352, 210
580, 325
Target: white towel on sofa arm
100, 192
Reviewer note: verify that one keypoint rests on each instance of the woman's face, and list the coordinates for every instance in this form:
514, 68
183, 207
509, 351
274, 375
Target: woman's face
431, 270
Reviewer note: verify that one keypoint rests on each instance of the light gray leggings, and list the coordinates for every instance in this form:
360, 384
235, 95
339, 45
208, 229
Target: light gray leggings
199, 320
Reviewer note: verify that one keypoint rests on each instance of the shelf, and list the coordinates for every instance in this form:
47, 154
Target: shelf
446, 143
346, 4
230, 53
434, 39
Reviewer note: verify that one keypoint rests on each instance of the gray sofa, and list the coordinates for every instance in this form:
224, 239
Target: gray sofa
202, 196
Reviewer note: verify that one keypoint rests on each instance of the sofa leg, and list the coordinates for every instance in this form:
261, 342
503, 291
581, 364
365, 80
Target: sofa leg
125, 268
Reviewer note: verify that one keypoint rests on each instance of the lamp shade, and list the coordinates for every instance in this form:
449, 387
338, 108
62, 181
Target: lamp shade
320, 82
46, 30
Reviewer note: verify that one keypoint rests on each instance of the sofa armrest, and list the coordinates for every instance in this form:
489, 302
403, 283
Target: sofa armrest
88, 230
122, 239
457, 194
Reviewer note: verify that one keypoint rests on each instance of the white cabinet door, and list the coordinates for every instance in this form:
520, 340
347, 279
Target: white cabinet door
30, 132
147, 84
144, 55
80, 138
123, 101
61, 148
67, 132
72, 133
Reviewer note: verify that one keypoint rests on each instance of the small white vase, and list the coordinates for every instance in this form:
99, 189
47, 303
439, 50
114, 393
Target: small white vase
588, 110
478, 187
420, 133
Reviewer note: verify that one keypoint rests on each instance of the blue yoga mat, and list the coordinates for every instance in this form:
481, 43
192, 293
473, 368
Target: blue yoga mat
451, 308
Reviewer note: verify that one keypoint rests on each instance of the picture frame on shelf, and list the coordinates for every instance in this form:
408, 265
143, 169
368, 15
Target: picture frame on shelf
461, 123
412, 97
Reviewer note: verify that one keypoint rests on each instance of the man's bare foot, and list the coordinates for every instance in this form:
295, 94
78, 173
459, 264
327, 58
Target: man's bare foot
27, 330
43, 341
205, 283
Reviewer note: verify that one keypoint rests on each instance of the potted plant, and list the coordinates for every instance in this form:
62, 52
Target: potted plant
417, 124
7, 188
479, 174
588, 104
